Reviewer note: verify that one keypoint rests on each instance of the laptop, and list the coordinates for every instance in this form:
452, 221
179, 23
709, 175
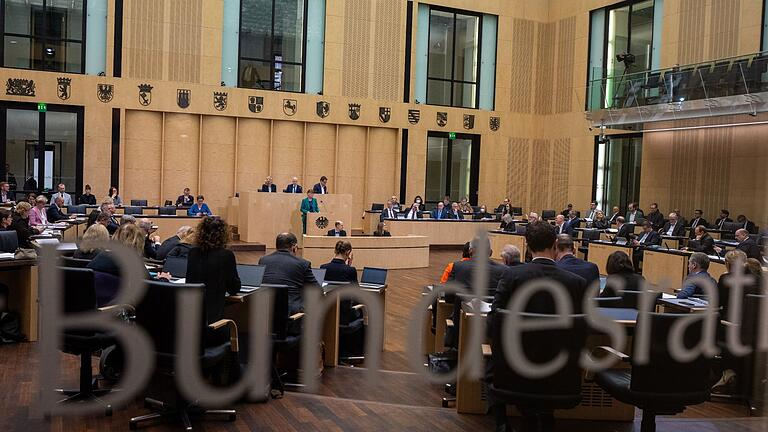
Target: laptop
373, 277
176, 266
319, 275
251, 276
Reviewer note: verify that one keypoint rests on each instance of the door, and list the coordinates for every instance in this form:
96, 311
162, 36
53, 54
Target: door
452, 167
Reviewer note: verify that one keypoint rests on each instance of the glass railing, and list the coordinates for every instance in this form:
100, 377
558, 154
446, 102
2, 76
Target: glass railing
735, 76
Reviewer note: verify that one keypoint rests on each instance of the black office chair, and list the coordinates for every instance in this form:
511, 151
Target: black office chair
351, 329
168, 203
70, 262
548, 214
139, 203
133, 210
537, 398
176, 266
631, 299
79, 297
167, 211
284, 342
517, 211
9, 241
76, 209
157, 315
609, 302
377, 207
663, 385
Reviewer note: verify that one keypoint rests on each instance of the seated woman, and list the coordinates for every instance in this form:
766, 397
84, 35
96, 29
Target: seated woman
380, 231
464, 206
185, 245
483, 214
211, 263
200, 208
21, 224
38, 215
620, 270
6, 220
507, 223
94, 233
115, 196
600, 222
340, 270
106, 271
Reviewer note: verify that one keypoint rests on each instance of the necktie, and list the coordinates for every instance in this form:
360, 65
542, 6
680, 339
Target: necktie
642, 240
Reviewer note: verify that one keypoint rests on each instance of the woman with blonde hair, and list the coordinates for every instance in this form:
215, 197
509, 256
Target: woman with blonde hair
21, 225
94, 233
106, 271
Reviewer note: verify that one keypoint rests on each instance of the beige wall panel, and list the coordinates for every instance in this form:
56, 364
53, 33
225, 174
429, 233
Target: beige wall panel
357, 48
388, 50
144, 38
142, 144
97, 154
351, 169
383, 166
184, 56
521, 86
252, 153
417, 165
217, 171
493, 173
320, 154
180, 154
287, 151
544, 72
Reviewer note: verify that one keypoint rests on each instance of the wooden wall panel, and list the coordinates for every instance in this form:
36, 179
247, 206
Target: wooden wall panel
387, 51
357, 45
518, 167
566, 43
217, 170
320, 157
185, 39
146, 31
141, 166
351, 168
523, 37
97, 154
287, 151
561, 170
691, 31
382, 165
252, 153
724, 28
180, 154
541, 175
544, 73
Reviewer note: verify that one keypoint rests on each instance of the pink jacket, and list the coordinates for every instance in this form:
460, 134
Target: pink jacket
37, 217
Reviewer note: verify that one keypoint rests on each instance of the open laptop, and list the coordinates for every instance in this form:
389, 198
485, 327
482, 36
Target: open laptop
319, 275
176, 266
251, 276
373, 277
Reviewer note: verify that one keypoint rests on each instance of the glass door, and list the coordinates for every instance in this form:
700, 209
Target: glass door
617, 171
452, 167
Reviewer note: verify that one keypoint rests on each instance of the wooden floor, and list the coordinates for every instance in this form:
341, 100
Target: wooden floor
403, 401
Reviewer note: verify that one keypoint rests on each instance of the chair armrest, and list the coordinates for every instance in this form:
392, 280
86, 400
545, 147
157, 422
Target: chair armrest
448, 322
728, 323
358, 306
486, 350
296, 316
233, 339
124, 311
613, 352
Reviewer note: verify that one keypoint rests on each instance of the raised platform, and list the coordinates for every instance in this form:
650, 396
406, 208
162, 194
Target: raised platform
241, 246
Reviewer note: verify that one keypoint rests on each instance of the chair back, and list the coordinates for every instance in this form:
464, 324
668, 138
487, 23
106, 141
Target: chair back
610, 302
168, 203
377, 206
167, 211
79, 295
517, 211
70, 262
751, 319
541, 346
280, 311
133, 210
9, 241
590, 235
548, 214
139, 203
663, 374
176, 266
631, 299
76, 209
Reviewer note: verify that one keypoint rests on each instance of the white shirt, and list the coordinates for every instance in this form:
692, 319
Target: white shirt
67, 198
671, 229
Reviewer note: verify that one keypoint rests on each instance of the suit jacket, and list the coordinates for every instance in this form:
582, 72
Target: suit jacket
88, 199
678, 231
458, 215
690, 287
332, 233
270, 188
385, 214
631, 280
573, 223
383, 234
217, 269
603, 224
308, 206
539, 268
291, 189
656, 219
638, 215
578, 266
320, 189
564, 229
462, 273
185, 200
55, 214
67, 198
613, 217
625, 231
442, 215
694, 223
653, 238
150, 250
23, 231
338, 271
750, 227
751, 248
167, 246
284, 268
706, 245
510, 227
4, 198
720, 221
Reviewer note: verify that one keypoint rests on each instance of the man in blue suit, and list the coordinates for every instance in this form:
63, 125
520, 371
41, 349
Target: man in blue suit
294, 187
698, 264
440, 212
566, 260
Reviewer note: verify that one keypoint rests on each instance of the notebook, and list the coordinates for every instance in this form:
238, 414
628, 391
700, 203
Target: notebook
373, 277
251, 276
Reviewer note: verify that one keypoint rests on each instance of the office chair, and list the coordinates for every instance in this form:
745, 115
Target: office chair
167, 211
76, 209
139, 203
70, 262
609, 302
517, 211
631, 299
9, 241
157, 314
537, 398
133, 210
168, 203
283, 343
548, 214
351, 329
377, 207
663, 385
80, 296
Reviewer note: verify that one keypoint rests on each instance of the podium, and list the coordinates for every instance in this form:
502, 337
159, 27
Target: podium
318, 224
262, 216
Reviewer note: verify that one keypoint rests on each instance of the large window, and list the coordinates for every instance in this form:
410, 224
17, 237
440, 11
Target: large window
272, 44
452, 167
617, 171
453, 66
44, 34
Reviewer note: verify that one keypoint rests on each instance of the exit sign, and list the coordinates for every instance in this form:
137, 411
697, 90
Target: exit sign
452, 135
42, 107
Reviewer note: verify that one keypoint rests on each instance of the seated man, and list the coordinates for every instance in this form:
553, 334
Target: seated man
61, 192
449, 267
560, 226
573, 222
567, 210
702, 242
294, 187
615, 213
268, 186
624, 230
338, 230
505, 207
698, 264
151, 242
674, 227
633, 213
655, 217
747, 244
186, 199
284, 267
455, 212
746, 224
389, 212
648, 237
507, 223
724, 217
566, 260
172, 241
54, 212
510, 255
439, 212
698, 219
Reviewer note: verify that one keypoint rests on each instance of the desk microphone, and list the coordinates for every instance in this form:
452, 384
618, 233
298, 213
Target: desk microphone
666, 245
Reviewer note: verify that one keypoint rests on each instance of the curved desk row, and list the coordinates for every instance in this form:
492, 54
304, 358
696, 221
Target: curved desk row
397, 252
444, 232
499, 239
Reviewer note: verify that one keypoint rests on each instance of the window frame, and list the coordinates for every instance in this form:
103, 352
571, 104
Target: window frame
452, 81
272, 62
31, 37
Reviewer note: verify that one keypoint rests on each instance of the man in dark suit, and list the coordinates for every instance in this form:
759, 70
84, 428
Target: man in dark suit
624, 230
567, 210
389, 212
561, 227
702, 242
615, 214
724, 217
573, 222
338, 230
172, 241
455, 212
268, 186
673, 227
746, 224
294, 187
54, 212
283, 267
322, 187
698, 264
566, 260
698, 219
655, 217
633, 213
748, 245
648, 237
186, 199
151, 242
439, 212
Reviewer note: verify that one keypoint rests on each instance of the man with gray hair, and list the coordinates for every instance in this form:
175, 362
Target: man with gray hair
127, 219
172, 241
698, 264
510, 255
151, 242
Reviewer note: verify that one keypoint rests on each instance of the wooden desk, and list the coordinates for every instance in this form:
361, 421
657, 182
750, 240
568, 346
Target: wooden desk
499, 239
659, 265
444, 232
371, 221
385, 252
716, 269
599, 252
444, 311
471, 395
262, 216
21, 278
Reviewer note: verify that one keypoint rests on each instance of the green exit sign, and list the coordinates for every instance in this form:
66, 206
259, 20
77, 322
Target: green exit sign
42, 107
452, 135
